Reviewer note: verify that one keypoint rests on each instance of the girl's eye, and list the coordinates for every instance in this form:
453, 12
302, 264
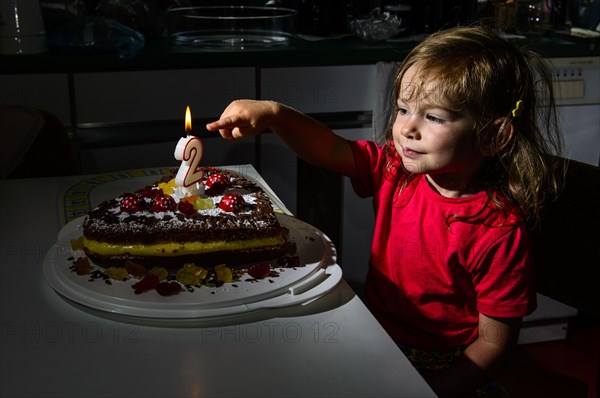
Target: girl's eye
435, 119
401, 111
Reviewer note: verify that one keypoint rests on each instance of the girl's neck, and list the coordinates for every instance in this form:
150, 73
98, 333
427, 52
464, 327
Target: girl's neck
453, 186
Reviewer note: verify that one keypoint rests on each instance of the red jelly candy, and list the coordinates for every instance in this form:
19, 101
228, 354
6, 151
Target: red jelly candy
151, 192
130, 204
216, 184
163, 203
148, 283
260, 270
186, 208
233, 202
168, 288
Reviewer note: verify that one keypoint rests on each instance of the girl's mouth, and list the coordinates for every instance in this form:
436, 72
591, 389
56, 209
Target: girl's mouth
410, 153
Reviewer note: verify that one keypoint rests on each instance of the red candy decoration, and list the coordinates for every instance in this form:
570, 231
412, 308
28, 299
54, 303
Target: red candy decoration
130, 204
260, 270
151, 192
163, 203
233, 202
168, 288
216, 184
148, 283
186, 208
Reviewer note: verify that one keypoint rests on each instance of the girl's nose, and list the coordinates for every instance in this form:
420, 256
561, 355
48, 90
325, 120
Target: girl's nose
409, 127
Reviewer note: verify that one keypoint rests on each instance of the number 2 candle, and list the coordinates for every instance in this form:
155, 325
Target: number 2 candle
189, 150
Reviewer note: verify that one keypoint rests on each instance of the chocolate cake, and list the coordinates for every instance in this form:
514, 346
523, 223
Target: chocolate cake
223, 219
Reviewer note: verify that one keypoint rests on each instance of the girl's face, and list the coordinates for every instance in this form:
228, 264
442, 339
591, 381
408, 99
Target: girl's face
433, 138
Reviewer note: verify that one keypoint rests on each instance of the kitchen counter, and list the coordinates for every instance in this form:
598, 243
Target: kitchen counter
162, 54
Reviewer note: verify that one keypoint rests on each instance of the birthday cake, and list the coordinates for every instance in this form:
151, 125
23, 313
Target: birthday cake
222, 218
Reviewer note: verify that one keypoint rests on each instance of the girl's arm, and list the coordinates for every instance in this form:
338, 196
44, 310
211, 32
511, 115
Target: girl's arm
309, 139
481, 360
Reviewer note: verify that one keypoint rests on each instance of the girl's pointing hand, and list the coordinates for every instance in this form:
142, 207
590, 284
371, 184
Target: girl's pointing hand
244, 118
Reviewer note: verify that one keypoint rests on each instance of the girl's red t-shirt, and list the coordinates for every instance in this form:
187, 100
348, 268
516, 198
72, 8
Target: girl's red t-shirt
430, 273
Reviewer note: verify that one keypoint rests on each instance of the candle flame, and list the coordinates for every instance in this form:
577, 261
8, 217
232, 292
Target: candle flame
188, 120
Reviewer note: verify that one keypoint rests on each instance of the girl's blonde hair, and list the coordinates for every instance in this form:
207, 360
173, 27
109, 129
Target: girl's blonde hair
479, 71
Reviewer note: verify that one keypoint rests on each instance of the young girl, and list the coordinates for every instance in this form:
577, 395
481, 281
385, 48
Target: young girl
460, 174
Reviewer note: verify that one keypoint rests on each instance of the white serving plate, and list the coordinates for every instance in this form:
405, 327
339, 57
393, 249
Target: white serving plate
293, 286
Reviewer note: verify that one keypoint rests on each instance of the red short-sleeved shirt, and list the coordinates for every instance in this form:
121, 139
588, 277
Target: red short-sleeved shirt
430, 276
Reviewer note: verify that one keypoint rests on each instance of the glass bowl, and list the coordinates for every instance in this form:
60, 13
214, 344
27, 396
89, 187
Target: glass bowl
377, 26
231, 27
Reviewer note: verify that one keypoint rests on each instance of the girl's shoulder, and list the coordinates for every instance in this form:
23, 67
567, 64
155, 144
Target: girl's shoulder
487, 208
368, 151
495, 211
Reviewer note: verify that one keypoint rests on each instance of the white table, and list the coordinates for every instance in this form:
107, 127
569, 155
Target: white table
50, 347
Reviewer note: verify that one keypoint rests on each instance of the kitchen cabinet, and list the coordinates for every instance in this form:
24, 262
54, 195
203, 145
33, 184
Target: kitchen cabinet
217, 152
133, 119
47, 91
321, 89
149, 96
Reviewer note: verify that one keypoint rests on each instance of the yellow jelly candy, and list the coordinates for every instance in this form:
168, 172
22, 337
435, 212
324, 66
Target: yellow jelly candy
224, 274
167, 187
116, 273
191, 199
203, 204
159, 272
136, 270
190, 274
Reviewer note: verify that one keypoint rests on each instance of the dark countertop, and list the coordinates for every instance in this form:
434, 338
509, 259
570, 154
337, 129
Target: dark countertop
162, 54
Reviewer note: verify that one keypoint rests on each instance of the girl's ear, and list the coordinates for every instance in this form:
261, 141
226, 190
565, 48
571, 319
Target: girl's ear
497, 137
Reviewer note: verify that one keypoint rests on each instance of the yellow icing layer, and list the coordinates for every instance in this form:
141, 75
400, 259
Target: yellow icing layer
171, 249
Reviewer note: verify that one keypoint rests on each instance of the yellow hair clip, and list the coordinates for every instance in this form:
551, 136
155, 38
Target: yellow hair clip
518, 108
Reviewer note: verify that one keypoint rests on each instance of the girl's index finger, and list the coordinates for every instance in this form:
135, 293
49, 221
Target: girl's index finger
212, 126
227, 122
222, 123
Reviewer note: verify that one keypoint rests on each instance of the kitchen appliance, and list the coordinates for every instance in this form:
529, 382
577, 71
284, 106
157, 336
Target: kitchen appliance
577, 88
22, 29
